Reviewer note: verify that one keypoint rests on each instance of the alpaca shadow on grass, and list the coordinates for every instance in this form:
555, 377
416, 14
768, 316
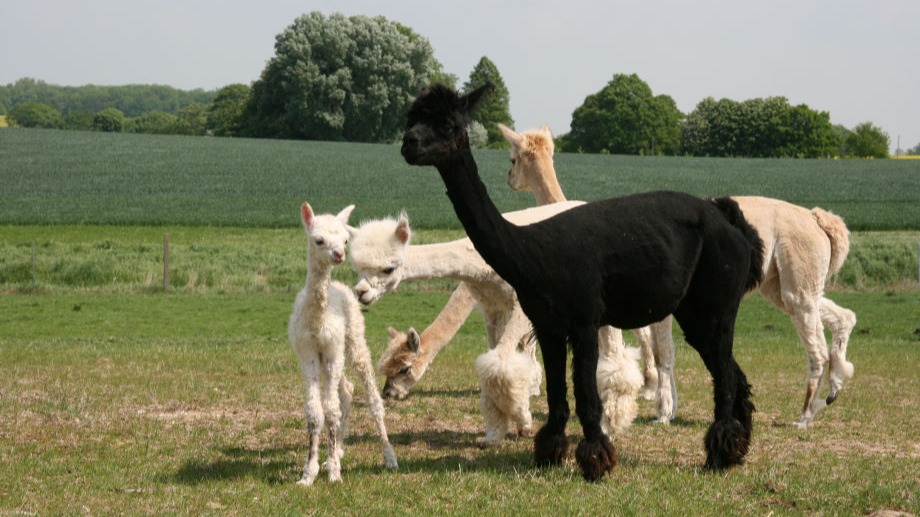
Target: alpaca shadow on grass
422, 392
272, 465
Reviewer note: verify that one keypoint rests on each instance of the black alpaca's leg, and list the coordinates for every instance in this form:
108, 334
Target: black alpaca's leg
729, 436
550, 443
595, 454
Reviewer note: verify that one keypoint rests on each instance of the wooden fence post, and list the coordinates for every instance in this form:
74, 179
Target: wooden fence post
165, 262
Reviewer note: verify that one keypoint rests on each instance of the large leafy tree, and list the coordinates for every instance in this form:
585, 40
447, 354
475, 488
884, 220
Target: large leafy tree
765, 128
339, 78
866, 141
495, 107
625, 117
225, 113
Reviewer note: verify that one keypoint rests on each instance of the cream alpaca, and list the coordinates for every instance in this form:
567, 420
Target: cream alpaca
326, 325
802, 249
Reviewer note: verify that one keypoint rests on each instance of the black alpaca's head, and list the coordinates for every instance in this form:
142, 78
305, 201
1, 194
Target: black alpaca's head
437, 121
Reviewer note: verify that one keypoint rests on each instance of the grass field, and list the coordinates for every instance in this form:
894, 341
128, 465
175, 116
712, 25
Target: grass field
71, 177
117, 398
114, 403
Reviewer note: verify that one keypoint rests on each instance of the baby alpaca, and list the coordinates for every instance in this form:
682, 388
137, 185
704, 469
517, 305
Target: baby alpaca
326, 325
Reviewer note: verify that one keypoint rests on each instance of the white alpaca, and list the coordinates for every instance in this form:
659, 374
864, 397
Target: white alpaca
326, 325
802, 249
509, 372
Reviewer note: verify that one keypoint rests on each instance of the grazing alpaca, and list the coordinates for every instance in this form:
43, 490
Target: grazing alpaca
625, 262
326, 326
802, 249
509, 372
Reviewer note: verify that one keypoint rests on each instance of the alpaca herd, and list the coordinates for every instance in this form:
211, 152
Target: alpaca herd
642, 259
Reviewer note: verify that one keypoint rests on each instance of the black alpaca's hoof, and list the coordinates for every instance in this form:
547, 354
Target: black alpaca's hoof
727, 443
549, 449
596, 458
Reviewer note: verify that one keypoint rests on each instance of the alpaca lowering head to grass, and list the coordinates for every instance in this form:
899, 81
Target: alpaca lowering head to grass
326, 326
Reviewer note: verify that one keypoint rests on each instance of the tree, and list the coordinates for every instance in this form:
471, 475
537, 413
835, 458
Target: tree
762, 128
625, 117
109, 120
339, 78
78, 120
866, 141
193, 120
495, 107
914, 151
36, 114
156, 123
226, 112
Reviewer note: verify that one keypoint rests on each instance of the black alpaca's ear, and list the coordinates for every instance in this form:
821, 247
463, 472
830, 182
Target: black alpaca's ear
472, 100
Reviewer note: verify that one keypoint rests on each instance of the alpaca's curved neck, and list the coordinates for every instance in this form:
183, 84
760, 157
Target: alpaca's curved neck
455, 259
490, 232
319, 276
546, 189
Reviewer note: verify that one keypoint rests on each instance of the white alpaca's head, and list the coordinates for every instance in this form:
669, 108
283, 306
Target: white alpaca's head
378, 252
327, 234
528, 150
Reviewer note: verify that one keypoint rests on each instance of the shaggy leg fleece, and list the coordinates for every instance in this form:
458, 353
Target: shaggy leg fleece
596, 458
549, 449
727, 442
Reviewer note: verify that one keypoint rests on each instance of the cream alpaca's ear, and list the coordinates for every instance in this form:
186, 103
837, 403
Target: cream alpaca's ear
403, 233
306, 215
343, 215
509, 134
415, 342
545, 129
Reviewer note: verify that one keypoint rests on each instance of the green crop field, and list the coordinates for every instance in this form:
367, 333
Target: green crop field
67, 177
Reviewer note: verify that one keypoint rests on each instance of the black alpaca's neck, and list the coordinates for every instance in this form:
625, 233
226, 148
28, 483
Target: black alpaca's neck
492, 235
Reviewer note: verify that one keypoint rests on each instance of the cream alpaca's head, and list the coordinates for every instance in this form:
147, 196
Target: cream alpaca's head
378, 252
396, 363
327, 234
527, 151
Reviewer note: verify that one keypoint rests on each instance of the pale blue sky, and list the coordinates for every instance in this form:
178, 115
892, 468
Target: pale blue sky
856, 59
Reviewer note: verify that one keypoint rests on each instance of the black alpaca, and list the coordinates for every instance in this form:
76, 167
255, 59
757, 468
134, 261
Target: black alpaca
625, 262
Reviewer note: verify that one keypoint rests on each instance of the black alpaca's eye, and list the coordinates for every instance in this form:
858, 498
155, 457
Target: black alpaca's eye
388, 270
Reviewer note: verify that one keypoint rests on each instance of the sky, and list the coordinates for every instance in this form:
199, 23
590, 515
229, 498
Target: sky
856, 59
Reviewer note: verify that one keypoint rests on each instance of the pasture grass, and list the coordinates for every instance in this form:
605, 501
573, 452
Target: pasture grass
73, 177
180, 403
226, 260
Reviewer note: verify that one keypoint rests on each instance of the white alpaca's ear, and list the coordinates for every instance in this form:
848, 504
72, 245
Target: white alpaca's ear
352, 231
415, 342
343, 215
513, 138
306, 215
402, 228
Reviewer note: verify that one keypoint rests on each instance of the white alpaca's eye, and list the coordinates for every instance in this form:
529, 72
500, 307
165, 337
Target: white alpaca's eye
388, 270
320, 241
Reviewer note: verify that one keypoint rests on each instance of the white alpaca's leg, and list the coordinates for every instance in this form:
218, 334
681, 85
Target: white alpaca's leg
840, 321
313, 409
496, 421
807, 320
663, 348
649, 371
346, 389
333, 370
361, 361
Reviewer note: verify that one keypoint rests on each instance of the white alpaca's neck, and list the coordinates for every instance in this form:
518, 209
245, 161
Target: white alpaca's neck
319, 276
457, 259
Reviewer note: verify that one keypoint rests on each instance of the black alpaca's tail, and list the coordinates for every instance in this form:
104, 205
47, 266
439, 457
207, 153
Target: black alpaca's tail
730, 209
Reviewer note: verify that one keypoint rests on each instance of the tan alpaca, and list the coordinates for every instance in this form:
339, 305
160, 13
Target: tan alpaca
326, 325
802, 249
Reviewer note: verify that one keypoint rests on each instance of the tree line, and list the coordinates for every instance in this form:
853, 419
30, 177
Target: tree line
351, 79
